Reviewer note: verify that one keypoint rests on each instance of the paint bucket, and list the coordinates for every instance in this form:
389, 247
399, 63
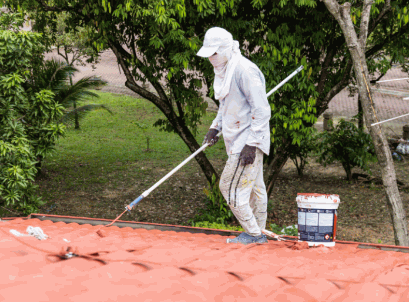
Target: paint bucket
317, 218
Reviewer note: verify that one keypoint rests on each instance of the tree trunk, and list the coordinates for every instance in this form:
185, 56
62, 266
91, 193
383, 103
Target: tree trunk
76, 120
39, 165
360, 114
274, 168
183, 131
347, 169
162, 102
356, 48
77, 123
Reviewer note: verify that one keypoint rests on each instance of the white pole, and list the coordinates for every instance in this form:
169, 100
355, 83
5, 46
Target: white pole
147, 192
285, 80
392, 80
391, 119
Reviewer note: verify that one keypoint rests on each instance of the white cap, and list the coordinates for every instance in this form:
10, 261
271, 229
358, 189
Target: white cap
214, 38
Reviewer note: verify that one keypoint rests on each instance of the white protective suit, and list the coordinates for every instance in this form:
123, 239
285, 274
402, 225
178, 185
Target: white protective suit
243, 118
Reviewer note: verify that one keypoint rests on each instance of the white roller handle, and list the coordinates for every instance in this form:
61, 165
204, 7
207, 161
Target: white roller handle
147, 192
273, 235
391, 119
285, 80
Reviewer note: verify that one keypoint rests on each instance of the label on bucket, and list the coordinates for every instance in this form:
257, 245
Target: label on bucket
317, 225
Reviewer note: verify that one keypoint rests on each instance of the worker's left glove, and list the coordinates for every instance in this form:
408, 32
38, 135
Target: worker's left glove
211, 137
247, 155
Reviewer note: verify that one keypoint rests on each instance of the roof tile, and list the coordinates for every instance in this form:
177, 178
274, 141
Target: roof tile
155, 265
365, 292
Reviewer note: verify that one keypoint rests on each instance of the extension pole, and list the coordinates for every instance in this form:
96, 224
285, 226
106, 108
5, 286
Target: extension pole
285, 80
391, 119
392, 80
147, 192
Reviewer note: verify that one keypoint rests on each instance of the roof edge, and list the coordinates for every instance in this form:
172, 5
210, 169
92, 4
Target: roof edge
189, 229
132, 224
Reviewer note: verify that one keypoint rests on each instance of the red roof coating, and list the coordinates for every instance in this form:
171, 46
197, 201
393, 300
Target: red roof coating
154, 265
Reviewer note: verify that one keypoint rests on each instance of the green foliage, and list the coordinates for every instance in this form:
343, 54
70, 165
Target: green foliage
300, 152
216, 226
281, 38
217, 210
284, 36
351, 146
162, 36
291, 230
28, 116
73, 43
56, 76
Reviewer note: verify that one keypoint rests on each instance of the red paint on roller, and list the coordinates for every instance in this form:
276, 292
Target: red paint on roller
101, 233
302, 245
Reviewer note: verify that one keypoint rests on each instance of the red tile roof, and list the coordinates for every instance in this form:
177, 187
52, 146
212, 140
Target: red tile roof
125, 264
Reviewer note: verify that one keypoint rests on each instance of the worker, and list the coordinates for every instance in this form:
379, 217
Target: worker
243, 117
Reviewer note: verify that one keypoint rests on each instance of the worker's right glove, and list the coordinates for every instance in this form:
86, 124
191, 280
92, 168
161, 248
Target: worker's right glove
247, 155
211, 137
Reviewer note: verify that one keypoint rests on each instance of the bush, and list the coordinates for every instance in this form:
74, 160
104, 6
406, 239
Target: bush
28, 127
291, 230
217, 226
217, 210
351, 146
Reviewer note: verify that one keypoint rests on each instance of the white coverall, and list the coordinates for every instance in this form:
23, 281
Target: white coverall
243, 118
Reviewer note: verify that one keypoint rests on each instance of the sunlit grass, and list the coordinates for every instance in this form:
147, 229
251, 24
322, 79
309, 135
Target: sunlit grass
109, 143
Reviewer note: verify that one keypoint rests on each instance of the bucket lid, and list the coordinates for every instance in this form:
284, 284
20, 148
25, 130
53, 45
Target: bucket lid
316, 197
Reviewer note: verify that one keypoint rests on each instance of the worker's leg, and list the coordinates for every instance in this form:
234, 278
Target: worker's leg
258, 199
236, 185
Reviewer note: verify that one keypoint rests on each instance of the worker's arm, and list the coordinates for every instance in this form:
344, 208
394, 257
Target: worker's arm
217, 122
211, 137
253, 87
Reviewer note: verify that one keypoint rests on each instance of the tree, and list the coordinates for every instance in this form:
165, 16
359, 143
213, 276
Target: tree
72, 43
357, 45
57, 76
307, 32
73, 46
28, 117
349, 145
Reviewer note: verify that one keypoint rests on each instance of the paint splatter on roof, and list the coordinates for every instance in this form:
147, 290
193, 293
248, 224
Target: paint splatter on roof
152, 265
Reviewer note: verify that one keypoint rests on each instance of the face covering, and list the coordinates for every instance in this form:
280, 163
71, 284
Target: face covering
224, 63
219, 62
